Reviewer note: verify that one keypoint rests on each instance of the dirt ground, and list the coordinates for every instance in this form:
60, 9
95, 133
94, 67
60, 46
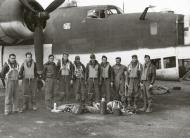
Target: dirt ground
170, 119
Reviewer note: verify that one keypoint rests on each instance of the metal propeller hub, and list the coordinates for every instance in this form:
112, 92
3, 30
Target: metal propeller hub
43, 15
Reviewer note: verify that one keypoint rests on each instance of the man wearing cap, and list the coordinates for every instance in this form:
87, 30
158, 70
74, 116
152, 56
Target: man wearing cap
147, 80
28, 74
106, 78
79, 80
50, 77
93, 78
120, 80
134, 75
10, 71
65, 68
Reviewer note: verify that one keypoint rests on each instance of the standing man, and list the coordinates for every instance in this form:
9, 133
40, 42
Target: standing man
79, 80
147, 80
106, 78
66, 68
50, 77
11, 70
120, 80
28, 74
134, 74
93, 79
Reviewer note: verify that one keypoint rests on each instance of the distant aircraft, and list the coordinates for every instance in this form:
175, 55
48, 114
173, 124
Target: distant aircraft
100, 29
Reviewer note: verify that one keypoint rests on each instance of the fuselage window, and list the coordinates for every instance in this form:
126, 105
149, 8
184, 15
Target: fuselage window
157, 63
170, 62
153, 28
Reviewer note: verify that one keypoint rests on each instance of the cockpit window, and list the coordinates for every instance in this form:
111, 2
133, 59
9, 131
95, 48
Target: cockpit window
96, 14
113, 10
101, 13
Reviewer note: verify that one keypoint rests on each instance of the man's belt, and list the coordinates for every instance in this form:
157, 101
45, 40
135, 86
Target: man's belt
105, 78
93, 78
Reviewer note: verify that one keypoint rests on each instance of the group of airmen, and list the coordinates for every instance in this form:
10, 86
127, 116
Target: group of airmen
90, 83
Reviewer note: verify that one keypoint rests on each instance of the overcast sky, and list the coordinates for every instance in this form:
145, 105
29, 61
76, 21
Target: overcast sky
179, 6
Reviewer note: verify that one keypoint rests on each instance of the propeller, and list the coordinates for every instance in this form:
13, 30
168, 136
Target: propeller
36, 18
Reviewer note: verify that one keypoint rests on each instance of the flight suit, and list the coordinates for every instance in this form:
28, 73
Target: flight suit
65, 77
79, 82
50, 77
28, 74
93, 80
120, 76
134, 74
11, 70
106, 79
147, 78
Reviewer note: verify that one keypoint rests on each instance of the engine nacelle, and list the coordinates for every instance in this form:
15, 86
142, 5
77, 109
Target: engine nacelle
12, 27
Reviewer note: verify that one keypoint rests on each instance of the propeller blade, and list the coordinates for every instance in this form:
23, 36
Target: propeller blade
38, 47
27, 5
36, 5
54, 5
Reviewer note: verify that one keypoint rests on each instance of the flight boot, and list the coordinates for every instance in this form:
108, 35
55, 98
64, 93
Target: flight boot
149, 108
143, 109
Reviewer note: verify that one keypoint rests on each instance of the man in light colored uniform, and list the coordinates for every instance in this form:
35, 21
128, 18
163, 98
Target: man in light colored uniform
120, 80
11, 71
65, 76
93, 79
134, 75
28, 73
106, 78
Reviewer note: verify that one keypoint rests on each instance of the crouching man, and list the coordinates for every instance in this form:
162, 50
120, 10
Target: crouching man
11, 71
147, 80
28, 74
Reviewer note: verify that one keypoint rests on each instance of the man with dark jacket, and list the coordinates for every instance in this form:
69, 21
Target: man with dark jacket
65, 75
93, 79
106, 79
50, 77
10, 71
79, 80
147, 80
28, 74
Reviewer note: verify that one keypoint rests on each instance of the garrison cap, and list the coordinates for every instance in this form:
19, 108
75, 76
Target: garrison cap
134, 56
146, 56
77, 58
92, 56
66, 53
104, 56
118, 58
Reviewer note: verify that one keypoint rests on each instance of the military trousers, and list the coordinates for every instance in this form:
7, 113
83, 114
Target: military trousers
93, 90
65, 87
29, 90
106, 89
11, 96
50, 86
79, 89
